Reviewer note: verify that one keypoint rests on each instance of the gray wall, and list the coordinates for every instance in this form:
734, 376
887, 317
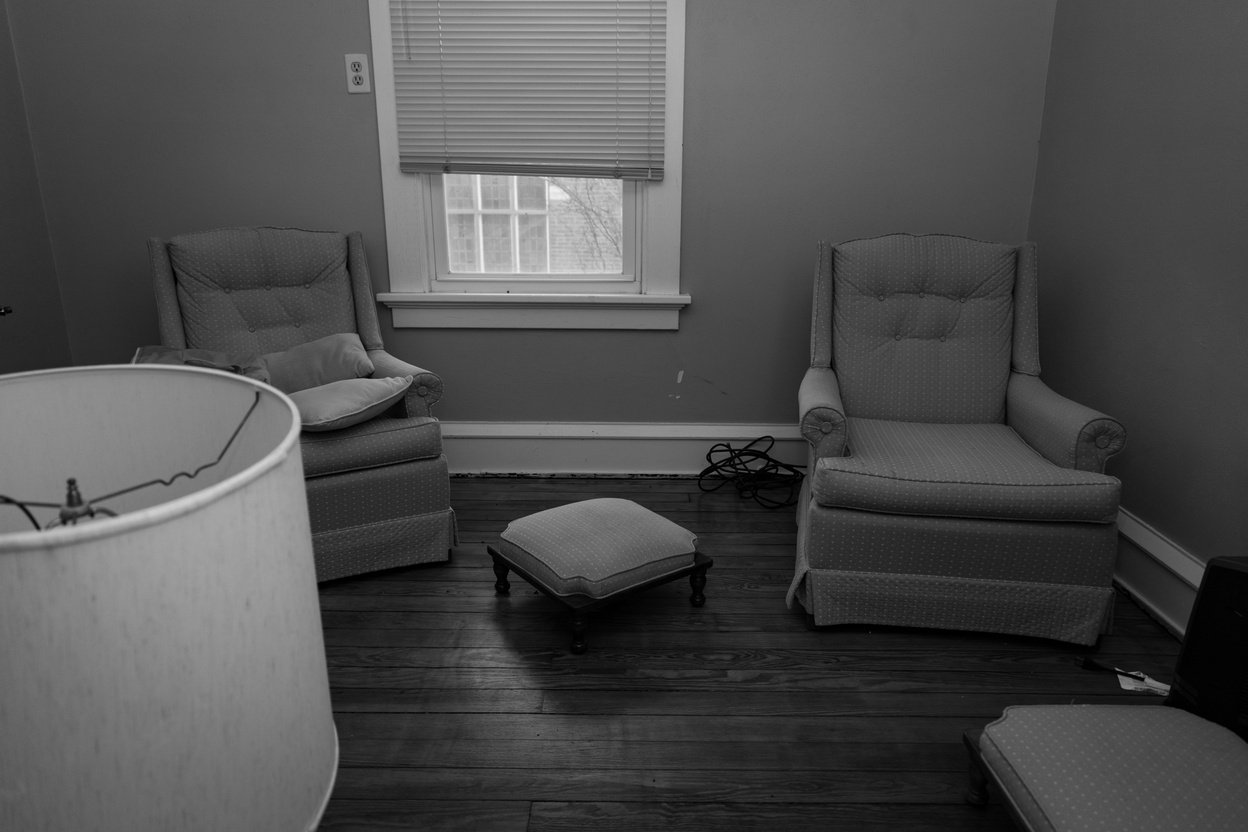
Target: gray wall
804, 120
152, 118
34, 336
1140, 214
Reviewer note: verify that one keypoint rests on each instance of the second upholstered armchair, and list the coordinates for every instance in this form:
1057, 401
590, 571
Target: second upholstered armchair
948, 486
296, 301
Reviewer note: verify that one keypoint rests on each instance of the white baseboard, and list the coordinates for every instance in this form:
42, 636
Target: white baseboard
604, 448
1158, 573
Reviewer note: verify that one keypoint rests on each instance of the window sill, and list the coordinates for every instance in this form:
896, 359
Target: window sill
434, 310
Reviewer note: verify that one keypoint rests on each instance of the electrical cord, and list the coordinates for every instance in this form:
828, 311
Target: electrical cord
9, 501
753, 472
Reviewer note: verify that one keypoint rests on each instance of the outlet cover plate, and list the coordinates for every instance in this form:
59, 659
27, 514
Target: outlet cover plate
358, 78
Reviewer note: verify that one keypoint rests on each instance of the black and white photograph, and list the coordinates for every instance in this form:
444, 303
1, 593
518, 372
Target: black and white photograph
623, 416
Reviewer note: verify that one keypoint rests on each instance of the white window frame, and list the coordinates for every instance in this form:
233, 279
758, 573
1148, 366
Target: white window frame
419, 297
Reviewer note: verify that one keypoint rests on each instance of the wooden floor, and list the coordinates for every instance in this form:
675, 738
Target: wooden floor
460, 710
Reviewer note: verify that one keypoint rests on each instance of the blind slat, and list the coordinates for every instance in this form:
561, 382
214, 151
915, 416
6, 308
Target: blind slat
531, 87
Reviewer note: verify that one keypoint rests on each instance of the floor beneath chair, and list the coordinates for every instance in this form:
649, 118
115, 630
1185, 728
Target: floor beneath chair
460, 710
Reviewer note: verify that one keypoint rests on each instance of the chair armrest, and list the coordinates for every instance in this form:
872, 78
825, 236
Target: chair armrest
1063, 431
822, 422
426, 387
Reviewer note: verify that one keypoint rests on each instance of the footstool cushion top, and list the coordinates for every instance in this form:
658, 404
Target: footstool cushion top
596, 548
1118, 767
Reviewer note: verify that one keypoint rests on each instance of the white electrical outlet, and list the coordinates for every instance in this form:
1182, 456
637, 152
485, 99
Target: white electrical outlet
358, 79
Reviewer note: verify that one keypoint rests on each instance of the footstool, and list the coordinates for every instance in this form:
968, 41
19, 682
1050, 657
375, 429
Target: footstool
588, 554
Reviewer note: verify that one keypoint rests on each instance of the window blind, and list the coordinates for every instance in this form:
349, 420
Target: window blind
530, 87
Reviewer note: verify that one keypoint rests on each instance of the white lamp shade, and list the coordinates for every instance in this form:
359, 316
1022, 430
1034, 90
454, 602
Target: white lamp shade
163, 669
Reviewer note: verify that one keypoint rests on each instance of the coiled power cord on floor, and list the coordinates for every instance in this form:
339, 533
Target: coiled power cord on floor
753, 472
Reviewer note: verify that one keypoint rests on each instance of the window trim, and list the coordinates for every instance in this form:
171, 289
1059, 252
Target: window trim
654, 302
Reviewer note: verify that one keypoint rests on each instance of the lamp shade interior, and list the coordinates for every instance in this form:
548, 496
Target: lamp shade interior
163, 668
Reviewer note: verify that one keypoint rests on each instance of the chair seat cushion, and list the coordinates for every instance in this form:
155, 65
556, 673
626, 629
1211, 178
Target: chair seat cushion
596, 548
384, 440
1119, 767
981, 471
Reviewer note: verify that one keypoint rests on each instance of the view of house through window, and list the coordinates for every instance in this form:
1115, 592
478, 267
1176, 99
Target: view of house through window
533, 224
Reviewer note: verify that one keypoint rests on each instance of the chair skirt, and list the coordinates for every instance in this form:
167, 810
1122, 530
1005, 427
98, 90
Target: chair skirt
1045, 579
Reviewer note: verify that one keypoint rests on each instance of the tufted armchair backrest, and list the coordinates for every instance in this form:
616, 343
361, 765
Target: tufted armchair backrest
260, 290
925, 328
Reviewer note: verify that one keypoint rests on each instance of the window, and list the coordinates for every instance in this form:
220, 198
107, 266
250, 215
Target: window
523, 226
487, 227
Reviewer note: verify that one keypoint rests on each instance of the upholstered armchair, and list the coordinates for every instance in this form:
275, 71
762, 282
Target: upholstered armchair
378, 491
948, 486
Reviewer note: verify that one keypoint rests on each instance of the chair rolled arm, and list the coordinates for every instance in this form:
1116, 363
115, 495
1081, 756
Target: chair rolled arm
1063, 431
426, 387
823, 422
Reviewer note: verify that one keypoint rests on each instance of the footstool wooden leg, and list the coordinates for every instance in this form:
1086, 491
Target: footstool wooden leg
580, 623
501, 585
977, 780
697, 581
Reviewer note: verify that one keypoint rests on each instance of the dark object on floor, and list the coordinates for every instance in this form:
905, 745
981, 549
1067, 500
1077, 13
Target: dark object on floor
1089, 663
588, 554
753, 472
1179, 765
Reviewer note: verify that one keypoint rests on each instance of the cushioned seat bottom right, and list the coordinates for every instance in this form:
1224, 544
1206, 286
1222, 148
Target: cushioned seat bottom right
981, 471
1119, 767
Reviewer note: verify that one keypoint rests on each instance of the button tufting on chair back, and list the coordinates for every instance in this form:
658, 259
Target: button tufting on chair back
261, 289
923, 327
